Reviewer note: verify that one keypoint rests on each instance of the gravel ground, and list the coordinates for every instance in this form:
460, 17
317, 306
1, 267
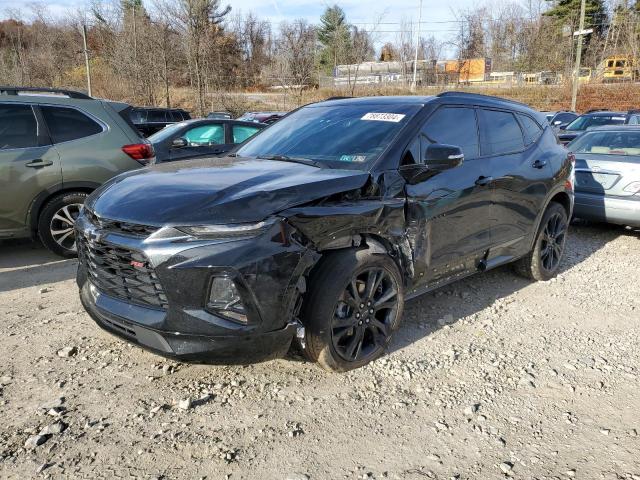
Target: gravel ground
491, 377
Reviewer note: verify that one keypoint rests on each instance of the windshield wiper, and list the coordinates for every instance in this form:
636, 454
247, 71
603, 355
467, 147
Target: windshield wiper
285, 158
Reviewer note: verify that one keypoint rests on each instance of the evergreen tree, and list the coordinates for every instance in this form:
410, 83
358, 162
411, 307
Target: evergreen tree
567, 12
334, 35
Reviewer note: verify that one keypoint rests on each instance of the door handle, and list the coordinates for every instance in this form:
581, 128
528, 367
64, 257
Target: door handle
38, 162
481, 181
539, 164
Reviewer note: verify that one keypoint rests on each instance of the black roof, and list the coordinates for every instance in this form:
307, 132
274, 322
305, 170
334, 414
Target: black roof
222, 120
604, 113
615, 128
160, 108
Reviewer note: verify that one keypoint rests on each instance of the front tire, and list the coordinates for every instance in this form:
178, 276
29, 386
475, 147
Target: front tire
353, 306
543, 262
56, 223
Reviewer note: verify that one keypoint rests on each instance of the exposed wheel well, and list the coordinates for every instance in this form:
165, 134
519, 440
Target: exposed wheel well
563, 199
41, 201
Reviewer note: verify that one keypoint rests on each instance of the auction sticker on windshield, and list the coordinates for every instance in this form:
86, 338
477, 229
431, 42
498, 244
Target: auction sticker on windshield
383, 117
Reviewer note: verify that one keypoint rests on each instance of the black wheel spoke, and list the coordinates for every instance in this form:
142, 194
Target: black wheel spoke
343, 322
355, 344
388, 295
361, 325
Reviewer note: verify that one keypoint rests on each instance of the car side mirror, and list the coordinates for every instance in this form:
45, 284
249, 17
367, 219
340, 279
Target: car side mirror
438, 157
563, 127
179, 142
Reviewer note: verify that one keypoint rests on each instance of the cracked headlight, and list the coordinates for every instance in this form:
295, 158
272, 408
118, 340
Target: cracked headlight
237, 230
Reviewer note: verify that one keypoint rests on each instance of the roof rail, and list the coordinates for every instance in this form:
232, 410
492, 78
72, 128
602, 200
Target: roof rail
454, 93
594, 110
8, 90
335, 98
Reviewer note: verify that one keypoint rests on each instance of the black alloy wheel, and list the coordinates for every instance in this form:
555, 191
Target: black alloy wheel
365, 314
353, 306
553, 241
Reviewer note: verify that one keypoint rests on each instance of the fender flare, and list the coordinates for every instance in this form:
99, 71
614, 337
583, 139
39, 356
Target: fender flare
558, 189
45, 195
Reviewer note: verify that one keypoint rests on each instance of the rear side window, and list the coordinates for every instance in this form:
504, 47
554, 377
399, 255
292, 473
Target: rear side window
454, 126
530, 128
564, 117
205, 135
138, 116
66, 124
242, 132
156, 116
501, 133
18, 127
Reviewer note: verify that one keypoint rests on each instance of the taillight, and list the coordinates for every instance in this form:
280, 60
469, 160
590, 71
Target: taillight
141, 152
568, 184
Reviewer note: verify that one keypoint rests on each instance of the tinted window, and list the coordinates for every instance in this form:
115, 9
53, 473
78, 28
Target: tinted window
242, 132
588, 121
532, 130
156, 116
205, 135
500, 133
138, 116
608, 143
454, 126
18, 127
69, 124
564, 117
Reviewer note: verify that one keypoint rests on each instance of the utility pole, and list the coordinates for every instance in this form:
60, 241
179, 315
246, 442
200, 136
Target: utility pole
576, 73
86, 58
415, 60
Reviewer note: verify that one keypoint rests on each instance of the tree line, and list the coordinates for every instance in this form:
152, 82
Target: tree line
152, 52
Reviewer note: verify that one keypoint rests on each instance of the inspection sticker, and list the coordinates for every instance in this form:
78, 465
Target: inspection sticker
383, 117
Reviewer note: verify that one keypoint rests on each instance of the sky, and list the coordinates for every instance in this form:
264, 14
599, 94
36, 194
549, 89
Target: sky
436, 15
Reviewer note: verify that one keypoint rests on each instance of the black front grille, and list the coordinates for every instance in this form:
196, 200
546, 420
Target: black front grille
122, 273
116, 226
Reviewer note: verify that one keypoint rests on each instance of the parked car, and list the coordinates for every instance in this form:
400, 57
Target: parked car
320, 227
151, 120
560, 118
225, 115
198, 138
633, 117
595, 118
608, 175
56, 147
262, 117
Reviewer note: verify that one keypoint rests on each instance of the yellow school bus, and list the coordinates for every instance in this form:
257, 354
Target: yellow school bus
619, 68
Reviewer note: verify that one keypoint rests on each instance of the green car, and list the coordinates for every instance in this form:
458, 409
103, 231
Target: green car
56, 147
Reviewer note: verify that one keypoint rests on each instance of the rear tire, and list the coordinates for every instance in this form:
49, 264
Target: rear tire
56, 223
543, 262
353, 306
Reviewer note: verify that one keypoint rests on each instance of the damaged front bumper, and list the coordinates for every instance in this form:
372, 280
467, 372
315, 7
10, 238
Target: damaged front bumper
154, 290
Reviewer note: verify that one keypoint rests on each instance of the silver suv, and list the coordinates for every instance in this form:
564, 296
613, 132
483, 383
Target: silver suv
56, 147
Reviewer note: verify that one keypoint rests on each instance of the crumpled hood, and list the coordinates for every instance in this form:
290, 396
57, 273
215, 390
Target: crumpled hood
216, 191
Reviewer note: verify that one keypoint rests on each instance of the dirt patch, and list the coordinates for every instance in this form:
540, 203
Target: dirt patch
488, 378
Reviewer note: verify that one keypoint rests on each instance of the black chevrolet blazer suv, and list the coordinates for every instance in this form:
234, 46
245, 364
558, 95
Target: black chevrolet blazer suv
319, 228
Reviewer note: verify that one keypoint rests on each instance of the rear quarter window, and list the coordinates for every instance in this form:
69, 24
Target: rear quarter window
66, 124
530, 129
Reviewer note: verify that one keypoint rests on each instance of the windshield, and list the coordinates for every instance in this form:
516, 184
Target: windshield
341, 135
607, 143
588, 121
166, 132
